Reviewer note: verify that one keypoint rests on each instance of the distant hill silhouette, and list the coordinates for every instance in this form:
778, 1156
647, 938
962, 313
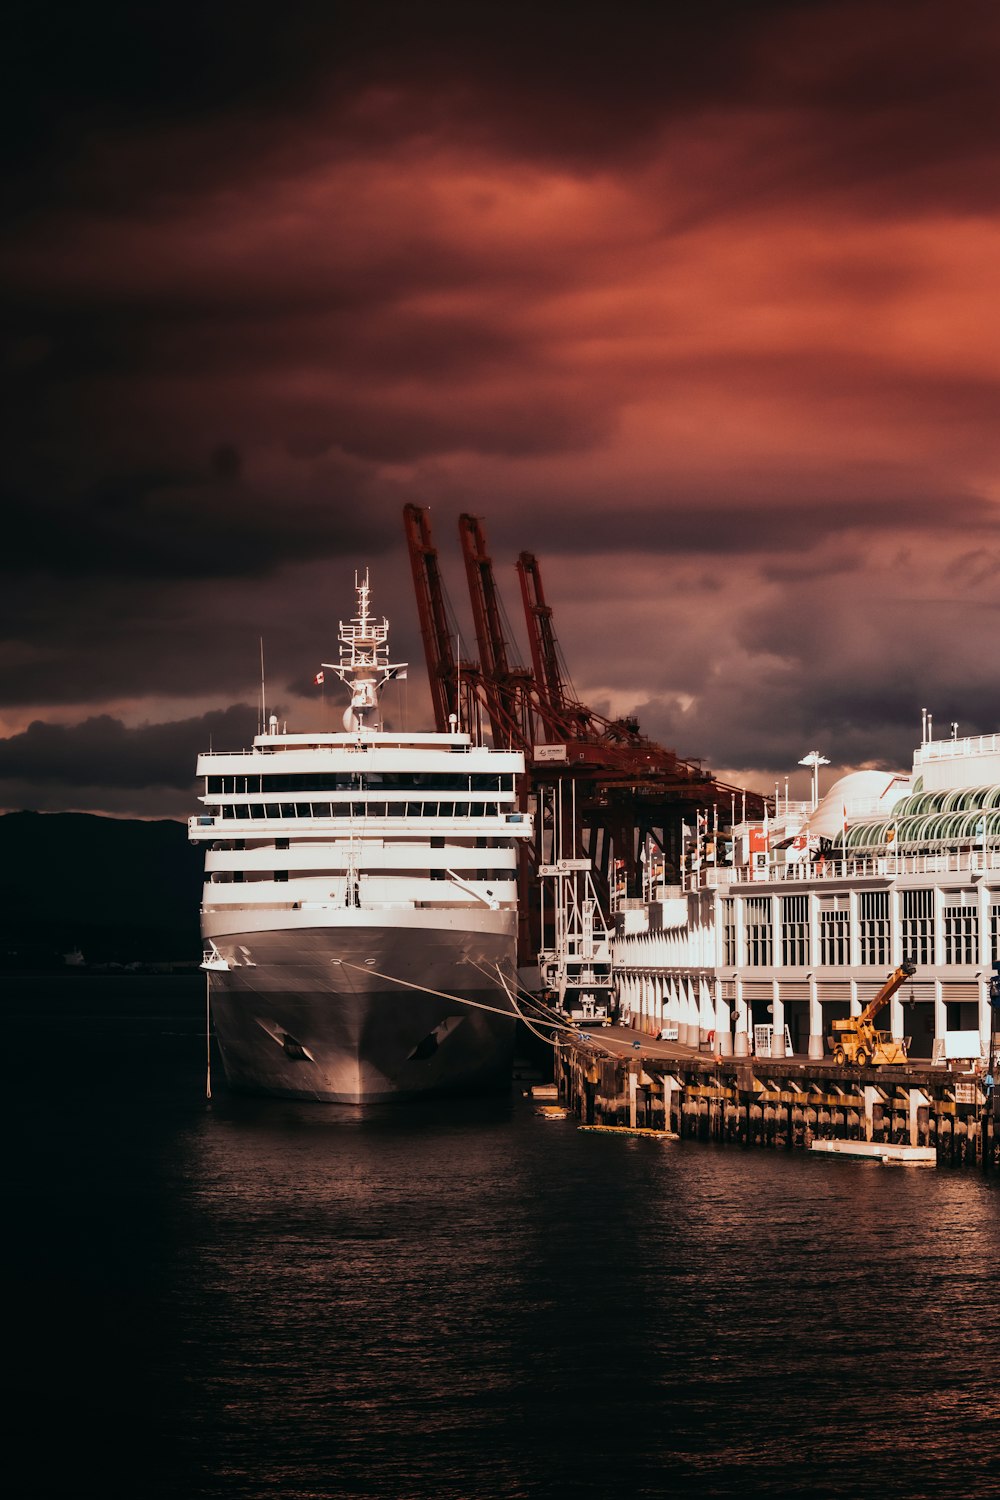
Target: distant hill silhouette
121, 891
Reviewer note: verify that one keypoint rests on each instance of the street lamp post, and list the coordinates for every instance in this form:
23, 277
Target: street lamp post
815, 760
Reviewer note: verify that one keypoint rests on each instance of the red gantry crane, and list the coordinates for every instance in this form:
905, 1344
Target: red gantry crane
507, 689
625, 790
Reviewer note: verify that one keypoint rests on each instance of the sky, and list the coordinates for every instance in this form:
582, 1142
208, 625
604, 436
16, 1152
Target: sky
697, 302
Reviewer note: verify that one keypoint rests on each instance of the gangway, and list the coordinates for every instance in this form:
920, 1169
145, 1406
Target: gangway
576, 968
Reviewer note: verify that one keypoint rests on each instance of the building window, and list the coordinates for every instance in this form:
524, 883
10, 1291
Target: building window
729, 959
758, 935
795, 931
835, 931
918, 927
874, 913
994, 934
961, 929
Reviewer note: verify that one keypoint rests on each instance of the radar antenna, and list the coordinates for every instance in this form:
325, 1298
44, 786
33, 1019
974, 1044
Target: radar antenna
364, 666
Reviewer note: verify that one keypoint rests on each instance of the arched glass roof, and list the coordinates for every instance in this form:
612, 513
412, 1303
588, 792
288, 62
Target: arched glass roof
868, 835
931, 819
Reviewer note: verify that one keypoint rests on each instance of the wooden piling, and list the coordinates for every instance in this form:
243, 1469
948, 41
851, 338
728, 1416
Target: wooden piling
786, 1103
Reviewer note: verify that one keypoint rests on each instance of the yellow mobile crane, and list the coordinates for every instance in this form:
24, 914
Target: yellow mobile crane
855, 1039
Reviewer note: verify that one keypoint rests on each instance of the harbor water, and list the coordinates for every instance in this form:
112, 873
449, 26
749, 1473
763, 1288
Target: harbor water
244, 1298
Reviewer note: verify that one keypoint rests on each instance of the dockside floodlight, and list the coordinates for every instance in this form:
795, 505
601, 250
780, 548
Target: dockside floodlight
815, 760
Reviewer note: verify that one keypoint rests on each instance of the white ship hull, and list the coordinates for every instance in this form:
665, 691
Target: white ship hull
360, 899
307, 1011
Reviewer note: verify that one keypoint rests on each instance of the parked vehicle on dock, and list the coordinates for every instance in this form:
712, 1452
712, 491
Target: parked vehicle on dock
855, 1039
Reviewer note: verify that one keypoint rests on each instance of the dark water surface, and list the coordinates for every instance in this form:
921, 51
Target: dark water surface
257, 1298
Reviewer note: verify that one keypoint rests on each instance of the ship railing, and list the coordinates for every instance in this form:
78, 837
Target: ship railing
336, 744
417, 904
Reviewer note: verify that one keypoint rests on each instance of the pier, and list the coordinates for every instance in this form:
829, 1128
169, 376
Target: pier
620, 1078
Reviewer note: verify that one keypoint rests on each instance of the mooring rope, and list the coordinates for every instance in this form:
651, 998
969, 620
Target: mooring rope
474, 1004
426, 990
554, 1024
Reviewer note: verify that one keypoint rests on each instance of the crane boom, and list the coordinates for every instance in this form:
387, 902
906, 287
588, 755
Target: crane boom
896, 978
441, 672
453, 680
541, 635
507, 688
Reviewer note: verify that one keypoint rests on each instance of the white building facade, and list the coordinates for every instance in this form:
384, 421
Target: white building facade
820, 905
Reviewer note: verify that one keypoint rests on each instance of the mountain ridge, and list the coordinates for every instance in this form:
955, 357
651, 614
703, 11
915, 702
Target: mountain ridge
119, 890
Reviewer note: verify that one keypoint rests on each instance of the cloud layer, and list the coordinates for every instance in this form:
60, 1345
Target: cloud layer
699, 307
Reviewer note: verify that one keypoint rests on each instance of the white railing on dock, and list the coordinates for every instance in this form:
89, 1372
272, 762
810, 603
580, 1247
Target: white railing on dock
883, 866
980, 744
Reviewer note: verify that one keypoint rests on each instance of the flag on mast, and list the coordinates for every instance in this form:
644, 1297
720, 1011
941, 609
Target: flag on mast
319, 679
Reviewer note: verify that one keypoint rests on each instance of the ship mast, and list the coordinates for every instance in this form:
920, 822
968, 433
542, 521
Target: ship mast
364, 666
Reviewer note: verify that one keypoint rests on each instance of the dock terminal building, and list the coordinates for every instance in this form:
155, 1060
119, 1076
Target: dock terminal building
776, 929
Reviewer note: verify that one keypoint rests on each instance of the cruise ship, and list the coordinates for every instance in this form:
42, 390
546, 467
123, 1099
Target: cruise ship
772, 931
360, 900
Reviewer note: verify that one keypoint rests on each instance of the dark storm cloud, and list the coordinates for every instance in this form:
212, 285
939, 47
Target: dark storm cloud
847, 666
163, 524
102, 752
695, 523
579, 84
705, 290
77, 74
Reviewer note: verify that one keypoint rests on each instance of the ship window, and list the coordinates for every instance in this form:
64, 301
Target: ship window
281, 843
437, 843
281, 874
331, 781
238, 876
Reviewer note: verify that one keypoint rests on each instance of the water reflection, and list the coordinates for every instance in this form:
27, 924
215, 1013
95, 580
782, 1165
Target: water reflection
455, 1300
